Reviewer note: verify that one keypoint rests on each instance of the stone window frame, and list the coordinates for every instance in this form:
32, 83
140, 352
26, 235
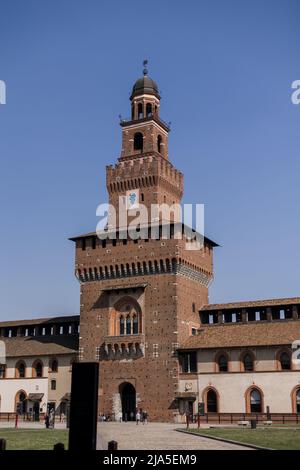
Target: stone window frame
34, 366
218, 355
204, 398
17, 372
242, 358
51, 361
248, 398
126, 307
278, 354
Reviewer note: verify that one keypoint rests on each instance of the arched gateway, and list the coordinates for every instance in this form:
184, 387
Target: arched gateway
128, 401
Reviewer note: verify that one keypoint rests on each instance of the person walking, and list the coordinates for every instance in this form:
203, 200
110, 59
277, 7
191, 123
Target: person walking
47, 421
138, 417
145, 417
51, 419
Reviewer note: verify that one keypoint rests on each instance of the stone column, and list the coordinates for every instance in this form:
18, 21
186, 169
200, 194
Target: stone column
244, 315
269, 313
295, 312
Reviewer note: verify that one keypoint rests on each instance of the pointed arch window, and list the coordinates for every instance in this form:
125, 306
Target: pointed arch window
37, 369
20, 370
255, 401
223, 363
248, 363
54, 365
285, 361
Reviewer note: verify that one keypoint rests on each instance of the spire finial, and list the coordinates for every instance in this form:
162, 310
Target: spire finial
145, 63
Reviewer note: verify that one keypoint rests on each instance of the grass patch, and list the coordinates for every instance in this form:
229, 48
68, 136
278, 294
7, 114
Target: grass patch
279, 439
33, 439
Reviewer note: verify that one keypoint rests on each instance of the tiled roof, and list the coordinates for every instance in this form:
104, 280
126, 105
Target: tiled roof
281, 332
252, 303
39, 321
42, 345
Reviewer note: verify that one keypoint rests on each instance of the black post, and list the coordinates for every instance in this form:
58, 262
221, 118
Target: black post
2, 444
59, 446
253, 423
84, 406
112, 445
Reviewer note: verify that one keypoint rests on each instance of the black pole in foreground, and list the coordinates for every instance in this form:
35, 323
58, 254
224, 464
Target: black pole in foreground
84, 406
2, 444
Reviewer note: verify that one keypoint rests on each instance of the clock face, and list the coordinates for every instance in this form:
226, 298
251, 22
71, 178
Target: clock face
132, 199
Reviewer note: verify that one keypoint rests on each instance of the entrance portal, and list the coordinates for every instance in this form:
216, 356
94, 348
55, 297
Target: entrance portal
128, 400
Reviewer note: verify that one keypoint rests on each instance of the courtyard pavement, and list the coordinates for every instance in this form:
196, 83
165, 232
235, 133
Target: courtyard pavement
151, 436
155, 436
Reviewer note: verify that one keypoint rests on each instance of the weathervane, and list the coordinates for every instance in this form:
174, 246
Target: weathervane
145, 63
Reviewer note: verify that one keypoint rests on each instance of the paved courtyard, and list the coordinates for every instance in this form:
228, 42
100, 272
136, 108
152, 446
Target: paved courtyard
155, 436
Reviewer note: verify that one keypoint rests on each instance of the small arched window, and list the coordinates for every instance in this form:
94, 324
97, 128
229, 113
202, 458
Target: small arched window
140, 111
138, 141
248, 363
37, 369
54, 365
148, 109
128, 325
255, 401
20, 370
223, 364
159, 142
285, 361
122, 325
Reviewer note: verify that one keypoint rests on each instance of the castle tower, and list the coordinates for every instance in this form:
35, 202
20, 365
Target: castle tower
140, 298
143, 171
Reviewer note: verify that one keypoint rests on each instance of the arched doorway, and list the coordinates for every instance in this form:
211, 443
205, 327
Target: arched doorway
210, 397
128, 401
212, 401
254, 400
21, 402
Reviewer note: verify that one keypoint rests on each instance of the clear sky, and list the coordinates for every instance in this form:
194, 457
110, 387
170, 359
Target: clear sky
224, 68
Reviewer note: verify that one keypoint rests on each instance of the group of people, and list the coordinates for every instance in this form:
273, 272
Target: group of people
141, 416
104, 417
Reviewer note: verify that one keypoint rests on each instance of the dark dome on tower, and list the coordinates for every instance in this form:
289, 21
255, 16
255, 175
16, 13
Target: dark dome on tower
145, 85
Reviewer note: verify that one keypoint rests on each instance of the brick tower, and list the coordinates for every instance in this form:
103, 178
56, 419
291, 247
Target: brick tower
140, 298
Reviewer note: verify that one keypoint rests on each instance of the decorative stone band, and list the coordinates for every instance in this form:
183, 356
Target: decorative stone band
125, 350
144, 269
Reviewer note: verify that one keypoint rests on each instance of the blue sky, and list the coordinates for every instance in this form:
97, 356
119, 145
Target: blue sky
224, 69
